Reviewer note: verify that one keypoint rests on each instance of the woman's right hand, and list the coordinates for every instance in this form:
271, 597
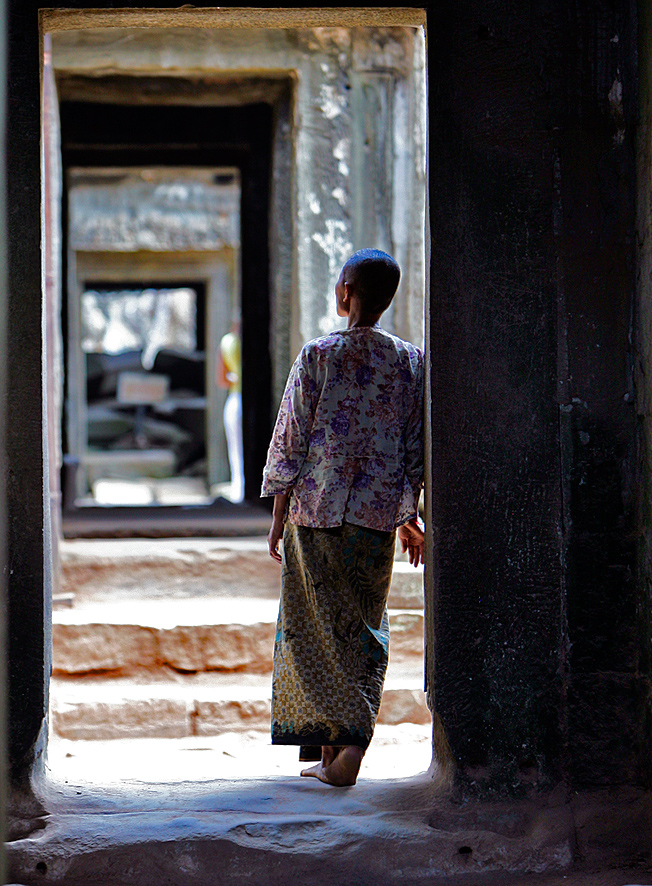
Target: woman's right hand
274, 537
278, 523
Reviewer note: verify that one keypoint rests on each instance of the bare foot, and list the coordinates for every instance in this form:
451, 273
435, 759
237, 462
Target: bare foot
328, 754
338, 766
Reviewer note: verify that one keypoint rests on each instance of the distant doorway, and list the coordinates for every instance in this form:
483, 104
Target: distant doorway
144, 401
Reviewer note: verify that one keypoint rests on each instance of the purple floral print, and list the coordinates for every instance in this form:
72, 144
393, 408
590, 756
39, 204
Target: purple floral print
348, 440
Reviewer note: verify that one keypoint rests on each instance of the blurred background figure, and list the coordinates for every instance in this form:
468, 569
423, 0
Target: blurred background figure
229, 376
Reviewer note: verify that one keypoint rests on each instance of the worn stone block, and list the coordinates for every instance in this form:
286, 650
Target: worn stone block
200, 569
240, 647
83, 648
181, 568
403, 706
215, 717
183, 648
231, 647
125, 718
406, 634
123, 648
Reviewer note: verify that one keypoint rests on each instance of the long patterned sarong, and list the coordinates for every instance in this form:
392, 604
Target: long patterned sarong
332, 636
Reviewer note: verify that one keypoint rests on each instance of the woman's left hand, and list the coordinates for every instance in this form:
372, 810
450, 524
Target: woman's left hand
413, 541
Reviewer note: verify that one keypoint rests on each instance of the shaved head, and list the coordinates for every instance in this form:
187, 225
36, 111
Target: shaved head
373, 276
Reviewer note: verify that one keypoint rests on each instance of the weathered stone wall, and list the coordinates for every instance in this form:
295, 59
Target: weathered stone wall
155, 210
609, 669
4, 768
499, 643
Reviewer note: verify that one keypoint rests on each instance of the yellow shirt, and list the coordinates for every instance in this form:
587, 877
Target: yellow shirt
231, 351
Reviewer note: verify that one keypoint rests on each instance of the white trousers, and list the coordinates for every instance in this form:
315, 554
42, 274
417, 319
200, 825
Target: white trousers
233, 430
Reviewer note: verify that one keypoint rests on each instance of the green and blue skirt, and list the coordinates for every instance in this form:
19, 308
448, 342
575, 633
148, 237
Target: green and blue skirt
332, 637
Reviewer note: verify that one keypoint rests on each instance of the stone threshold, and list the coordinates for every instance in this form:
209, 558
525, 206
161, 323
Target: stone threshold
275, 831
282, 830
398, 751
279, 830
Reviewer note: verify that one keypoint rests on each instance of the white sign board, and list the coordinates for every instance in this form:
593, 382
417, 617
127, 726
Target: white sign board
141, 388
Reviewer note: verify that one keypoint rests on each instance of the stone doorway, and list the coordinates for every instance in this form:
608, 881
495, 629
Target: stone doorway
354, 100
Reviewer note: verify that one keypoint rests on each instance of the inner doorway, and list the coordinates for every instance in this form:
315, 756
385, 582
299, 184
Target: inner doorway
164, 217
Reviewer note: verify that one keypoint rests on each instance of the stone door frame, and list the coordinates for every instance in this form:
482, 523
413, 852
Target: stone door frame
60, 20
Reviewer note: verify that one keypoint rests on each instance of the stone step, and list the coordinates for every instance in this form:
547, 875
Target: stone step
187, 636
174, 638
128, 708
159, 569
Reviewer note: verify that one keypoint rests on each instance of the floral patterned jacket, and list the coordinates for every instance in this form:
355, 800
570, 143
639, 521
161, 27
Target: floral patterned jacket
348, 440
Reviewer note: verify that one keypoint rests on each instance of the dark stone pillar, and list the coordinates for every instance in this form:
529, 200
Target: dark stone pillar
609, 685
499, 638
643, 361
533, 666
27, 614
3, 430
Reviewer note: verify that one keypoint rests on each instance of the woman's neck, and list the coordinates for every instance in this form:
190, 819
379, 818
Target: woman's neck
359, 318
